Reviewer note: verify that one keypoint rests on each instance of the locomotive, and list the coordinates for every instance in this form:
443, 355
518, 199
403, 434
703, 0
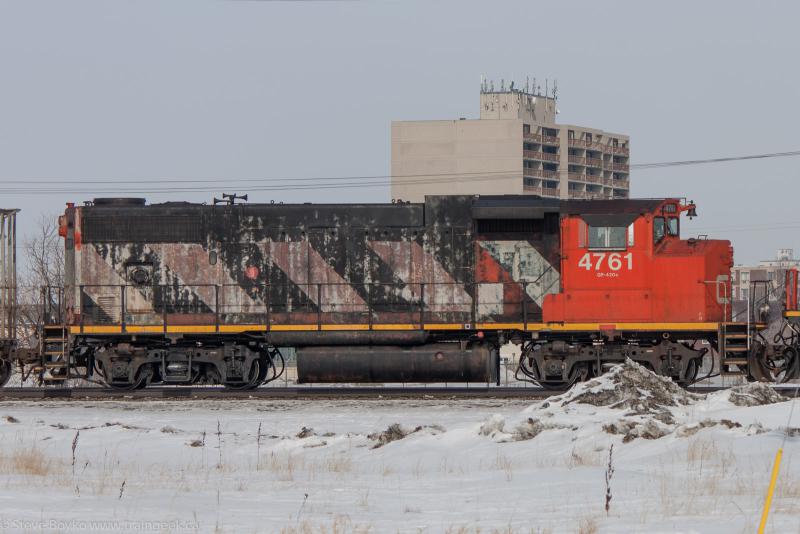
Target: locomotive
185, 293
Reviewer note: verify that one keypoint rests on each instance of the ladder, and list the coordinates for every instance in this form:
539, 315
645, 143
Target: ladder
53, 343
733, 349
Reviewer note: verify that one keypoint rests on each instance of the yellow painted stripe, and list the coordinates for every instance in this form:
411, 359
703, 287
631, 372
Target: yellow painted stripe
293, 327
143, 329
444, 326
652, 327
191, 329
395, 327
531, 327
92, 329
341, 327
236, 328
499, 326
792, 313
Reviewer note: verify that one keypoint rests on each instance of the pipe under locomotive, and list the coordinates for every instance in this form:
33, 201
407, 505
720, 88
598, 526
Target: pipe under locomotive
181, 293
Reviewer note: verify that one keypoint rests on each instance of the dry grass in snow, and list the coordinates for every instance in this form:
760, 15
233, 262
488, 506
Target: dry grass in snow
681, 462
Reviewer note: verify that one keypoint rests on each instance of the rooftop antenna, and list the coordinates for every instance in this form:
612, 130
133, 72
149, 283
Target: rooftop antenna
555, 89
511, 87
527, 83
483, 84
492, 85
502, 85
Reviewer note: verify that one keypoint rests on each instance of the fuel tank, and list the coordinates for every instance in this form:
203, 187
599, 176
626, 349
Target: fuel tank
434, 362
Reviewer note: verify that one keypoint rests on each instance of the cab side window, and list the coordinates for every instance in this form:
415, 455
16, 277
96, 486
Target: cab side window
672, 226
608, 237
659, 229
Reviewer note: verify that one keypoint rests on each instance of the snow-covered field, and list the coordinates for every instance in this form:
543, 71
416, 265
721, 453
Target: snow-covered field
681, 462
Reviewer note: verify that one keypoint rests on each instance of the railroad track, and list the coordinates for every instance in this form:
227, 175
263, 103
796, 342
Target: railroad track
304, 393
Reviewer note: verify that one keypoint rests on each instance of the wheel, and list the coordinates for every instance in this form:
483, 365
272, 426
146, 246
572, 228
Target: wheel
254, 378
578, 373
784, 367
691, 372
142, 379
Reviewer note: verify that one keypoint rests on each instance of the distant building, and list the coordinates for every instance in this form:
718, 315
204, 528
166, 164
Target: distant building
750, 283
515, 147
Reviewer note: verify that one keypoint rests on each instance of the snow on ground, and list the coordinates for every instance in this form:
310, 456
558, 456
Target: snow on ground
682, 462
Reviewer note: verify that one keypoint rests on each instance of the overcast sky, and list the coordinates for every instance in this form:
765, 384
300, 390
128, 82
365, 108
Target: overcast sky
222, 90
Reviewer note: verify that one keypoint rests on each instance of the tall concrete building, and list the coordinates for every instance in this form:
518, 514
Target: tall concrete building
515, 147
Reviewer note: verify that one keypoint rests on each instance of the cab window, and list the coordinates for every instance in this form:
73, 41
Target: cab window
659, 229
608, 237
672, 226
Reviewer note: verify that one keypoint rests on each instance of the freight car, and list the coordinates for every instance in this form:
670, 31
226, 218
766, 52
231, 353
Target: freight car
8, 286
183, 293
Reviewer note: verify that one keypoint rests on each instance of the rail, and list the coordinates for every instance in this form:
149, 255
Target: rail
310, 392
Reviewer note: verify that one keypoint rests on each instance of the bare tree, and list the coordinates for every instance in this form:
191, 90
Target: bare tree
42, 268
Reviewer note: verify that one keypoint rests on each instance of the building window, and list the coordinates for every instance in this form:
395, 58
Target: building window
571, 134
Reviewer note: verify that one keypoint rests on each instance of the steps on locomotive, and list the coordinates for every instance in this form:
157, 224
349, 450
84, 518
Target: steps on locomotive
53, 352
733, 339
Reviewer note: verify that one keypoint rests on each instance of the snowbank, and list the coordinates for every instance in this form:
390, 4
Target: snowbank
632, 402
682, 462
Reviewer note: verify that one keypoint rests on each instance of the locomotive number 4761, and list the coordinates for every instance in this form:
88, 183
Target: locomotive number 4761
613, 261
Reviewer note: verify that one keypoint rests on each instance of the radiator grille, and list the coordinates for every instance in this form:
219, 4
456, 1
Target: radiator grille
142, 229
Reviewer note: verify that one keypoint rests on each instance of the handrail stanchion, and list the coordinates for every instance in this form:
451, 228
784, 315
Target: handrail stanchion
268, 302
422, 305
80, 306
319, 306
164, 307
122, 308
369, 304
524, 306
474, 314
216, 307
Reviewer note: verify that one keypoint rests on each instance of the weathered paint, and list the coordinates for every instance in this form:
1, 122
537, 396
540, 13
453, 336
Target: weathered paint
436, 263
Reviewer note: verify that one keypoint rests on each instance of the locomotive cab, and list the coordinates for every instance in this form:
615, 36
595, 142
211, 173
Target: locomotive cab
626, 263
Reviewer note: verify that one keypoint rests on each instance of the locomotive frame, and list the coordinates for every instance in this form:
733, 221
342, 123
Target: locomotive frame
185, 293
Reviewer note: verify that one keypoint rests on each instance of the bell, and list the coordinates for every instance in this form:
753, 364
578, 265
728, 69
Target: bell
692, 213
